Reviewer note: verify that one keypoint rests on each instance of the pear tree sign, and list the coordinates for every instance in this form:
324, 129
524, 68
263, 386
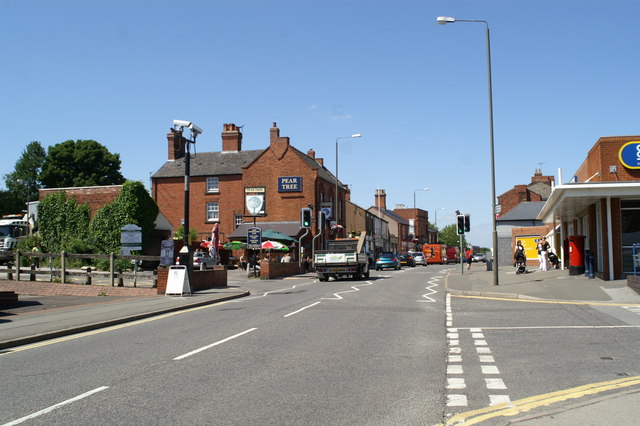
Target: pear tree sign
130, 238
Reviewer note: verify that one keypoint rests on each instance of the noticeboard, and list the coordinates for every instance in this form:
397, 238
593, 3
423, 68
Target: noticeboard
177, 281
254, 238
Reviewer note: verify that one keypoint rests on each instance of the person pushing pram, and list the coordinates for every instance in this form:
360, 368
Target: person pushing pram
520, 259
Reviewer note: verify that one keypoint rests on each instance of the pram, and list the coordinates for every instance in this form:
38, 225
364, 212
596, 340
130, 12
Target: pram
521, 262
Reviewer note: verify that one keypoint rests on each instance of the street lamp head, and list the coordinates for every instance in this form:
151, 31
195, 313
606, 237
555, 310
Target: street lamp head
356, 135
443, 20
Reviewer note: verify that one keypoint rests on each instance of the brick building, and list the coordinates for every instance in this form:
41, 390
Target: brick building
538, 190
95, 197
399, 240
599, 209
234, 188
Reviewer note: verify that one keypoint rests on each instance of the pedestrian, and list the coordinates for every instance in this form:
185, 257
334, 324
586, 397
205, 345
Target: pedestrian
243, 262
543, 254
36, 259
468, 257
286, 258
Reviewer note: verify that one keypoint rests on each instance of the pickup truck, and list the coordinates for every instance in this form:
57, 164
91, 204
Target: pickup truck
343, 257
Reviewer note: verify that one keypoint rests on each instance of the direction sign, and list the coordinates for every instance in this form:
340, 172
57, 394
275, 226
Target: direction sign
254, 238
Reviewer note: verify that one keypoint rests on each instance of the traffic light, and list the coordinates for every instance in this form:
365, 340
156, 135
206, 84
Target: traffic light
305, 217
461, 226
322, 220
467, 223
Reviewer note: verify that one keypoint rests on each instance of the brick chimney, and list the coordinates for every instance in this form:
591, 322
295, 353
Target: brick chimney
278, 145
320, 161
311, 154
231, 137
381, 199
175, 144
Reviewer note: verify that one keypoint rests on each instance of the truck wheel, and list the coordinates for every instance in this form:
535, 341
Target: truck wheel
322, 277
366, 273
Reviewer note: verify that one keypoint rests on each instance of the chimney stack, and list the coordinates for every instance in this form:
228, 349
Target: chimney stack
175, 144
231, 138
311, 154
381, 199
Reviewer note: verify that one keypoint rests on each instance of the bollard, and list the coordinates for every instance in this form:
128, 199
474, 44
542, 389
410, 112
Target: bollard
87, 281
10, 271
32, 275
120, 278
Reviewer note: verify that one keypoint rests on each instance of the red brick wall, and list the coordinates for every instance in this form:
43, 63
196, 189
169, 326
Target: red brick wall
95, 196
202, 280
604, 154
270, 270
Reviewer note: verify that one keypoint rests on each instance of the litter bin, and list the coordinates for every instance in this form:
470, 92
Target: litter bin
489, 264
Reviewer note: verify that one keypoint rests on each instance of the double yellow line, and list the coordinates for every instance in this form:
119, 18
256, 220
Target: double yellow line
524, 405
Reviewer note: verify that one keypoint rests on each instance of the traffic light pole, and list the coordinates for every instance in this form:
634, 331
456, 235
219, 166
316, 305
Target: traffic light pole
461, 256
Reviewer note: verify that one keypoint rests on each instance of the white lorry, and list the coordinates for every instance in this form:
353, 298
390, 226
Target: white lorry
343, 257
11, 230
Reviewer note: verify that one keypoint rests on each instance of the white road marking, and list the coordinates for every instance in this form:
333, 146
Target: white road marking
354, 288
480, 342
489, 369
456, 400
456, 383
483, 350
499, 399
204, 348
495, 384
454, 369
486, 358
300, 310
454, 358
53, 407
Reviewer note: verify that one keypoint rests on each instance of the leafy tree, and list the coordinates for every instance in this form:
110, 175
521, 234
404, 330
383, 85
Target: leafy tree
449, 236
23, 183
133, 205
80, 163
62, 222
10, 203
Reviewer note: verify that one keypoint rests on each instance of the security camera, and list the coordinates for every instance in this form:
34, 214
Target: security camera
181, 123
194, 129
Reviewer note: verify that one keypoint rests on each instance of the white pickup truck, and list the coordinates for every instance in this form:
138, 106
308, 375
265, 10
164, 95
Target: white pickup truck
343, 257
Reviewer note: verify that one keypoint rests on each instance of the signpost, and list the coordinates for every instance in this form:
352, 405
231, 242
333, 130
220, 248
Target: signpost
254, 238
130, 238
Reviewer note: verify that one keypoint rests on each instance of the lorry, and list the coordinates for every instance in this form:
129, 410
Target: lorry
344, 257
453, 255
435, 253
12, 229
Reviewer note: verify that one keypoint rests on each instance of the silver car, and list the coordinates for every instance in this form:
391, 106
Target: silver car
419, 258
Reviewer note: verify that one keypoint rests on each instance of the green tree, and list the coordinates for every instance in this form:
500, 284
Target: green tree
449, 236
133, 205
23, 183
62, 222
80, 163
10, 203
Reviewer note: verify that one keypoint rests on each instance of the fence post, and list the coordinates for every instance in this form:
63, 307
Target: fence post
63, 266
17, 265
155, 278
112, 263
120, 278
32, 275
88, 279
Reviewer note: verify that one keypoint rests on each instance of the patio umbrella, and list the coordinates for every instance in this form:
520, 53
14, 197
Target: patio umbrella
235, 245
272, 245
215, 241
271, 234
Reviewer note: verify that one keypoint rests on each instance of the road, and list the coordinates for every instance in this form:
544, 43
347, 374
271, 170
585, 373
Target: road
393, 349
345, 352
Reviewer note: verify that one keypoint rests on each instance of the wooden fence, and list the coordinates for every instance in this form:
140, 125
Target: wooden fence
61, 272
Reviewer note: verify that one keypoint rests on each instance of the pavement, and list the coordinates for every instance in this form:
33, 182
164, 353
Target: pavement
39, 318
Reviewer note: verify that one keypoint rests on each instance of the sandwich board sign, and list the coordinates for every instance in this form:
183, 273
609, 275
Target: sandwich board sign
178, 281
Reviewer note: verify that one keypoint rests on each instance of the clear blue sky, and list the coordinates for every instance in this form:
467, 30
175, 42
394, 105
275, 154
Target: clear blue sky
564, 74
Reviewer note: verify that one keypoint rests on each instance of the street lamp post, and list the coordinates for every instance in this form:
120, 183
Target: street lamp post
414, 196
335, 208
443, 20
186, 258
436, 214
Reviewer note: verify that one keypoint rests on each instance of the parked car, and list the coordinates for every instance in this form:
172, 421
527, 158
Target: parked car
200, 258
387, 260
479, 257
418, 258
406, 259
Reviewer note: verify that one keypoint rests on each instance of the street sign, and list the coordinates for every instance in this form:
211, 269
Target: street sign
130, 238
254, 238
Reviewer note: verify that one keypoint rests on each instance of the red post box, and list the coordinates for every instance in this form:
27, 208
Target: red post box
576, 254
